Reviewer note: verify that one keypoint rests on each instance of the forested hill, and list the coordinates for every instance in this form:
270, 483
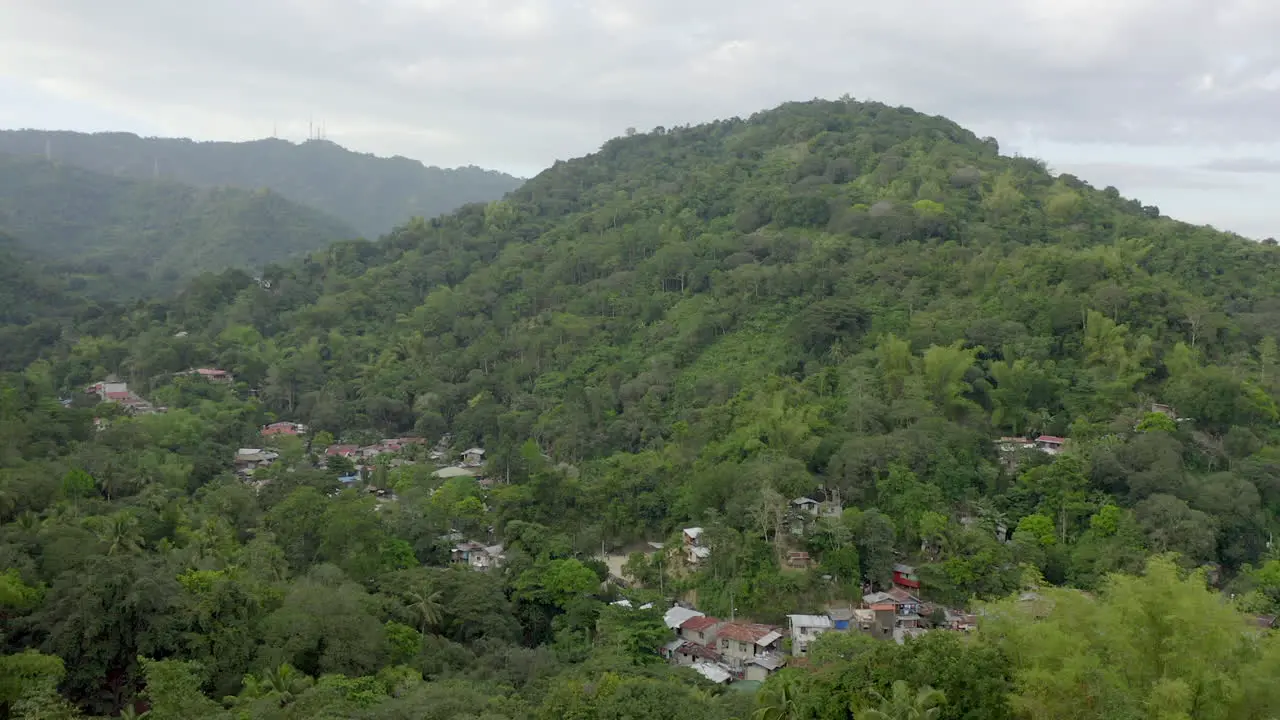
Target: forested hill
692, 327
131, 236
829, 293
372, 194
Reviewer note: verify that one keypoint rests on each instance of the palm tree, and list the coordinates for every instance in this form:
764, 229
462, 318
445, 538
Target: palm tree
119, 533
425, 604
924, 704
283, 683
779, 699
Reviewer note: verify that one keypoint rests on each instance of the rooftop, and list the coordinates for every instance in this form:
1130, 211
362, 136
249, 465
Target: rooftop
769, 661
713, 672
700, 623
748, 632
677, 615
812, 621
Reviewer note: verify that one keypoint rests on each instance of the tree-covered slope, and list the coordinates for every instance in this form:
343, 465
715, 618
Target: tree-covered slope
706, 319
372, 194
37, 306
149, 234
692, 326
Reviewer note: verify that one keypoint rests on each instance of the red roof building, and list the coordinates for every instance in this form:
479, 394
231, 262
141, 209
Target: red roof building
283, 428
699, 623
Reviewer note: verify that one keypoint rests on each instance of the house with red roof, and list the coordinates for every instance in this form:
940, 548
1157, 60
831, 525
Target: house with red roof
743, 645
283, 428
701, 630
346, 451
213, 374
1051, 444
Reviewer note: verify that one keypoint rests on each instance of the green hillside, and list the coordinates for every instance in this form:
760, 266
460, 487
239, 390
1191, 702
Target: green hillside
692, 327
371, 194
149, 234
829, 293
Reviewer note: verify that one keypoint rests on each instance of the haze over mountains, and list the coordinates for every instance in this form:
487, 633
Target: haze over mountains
371, 194
120, 216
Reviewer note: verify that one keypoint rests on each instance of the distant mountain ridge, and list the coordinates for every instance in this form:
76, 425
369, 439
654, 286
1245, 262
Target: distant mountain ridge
146, 235
372, 194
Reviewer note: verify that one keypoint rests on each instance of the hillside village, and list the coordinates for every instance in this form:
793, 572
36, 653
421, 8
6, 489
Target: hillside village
721, 651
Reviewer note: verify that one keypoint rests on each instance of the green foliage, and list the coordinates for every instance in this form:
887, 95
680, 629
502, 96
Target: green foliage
1158, 643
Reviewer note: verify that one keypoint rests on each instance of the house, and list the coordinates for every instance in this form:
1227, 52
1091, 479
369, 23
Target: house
346, 451
760, 667
249, 459
349, 480
668, 651
690, 653
805, 629
804, 504
701, 630
478, 556
740, 643
864, 620
284, 428
102, 389
676, 616
695, 551
473, 457
885, 619
903, 602
213, 374
1166, 410
905, 576
798, 559
1050, 444
487, 558
840, 618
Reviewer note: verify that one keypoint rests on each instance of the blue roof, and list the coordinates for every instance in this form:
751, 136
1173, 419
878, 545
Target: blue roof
349, 479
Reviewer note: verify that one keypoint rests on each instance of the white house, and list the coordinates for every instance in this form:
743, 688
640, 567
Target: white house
805, 629
695, 551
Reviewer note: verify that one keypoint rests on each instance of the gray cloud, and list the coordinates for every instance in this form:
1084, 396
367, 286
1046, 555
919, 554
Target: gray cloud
517, 84
1243, 165
1145, 176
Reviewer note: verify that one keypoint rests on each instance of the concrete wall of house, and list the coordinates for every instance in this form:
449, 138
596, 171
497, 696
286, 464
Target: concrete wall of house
755, 672
737, 652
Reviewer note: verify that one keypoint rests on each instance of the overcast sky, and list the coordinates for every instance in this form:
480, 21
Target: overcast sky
1176, 102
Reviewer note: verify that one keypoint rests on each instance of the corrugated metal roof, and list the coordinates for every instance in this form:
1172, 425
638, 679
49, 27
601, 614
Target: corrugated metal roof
813, 621
770, 638
676, 616
713, 672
